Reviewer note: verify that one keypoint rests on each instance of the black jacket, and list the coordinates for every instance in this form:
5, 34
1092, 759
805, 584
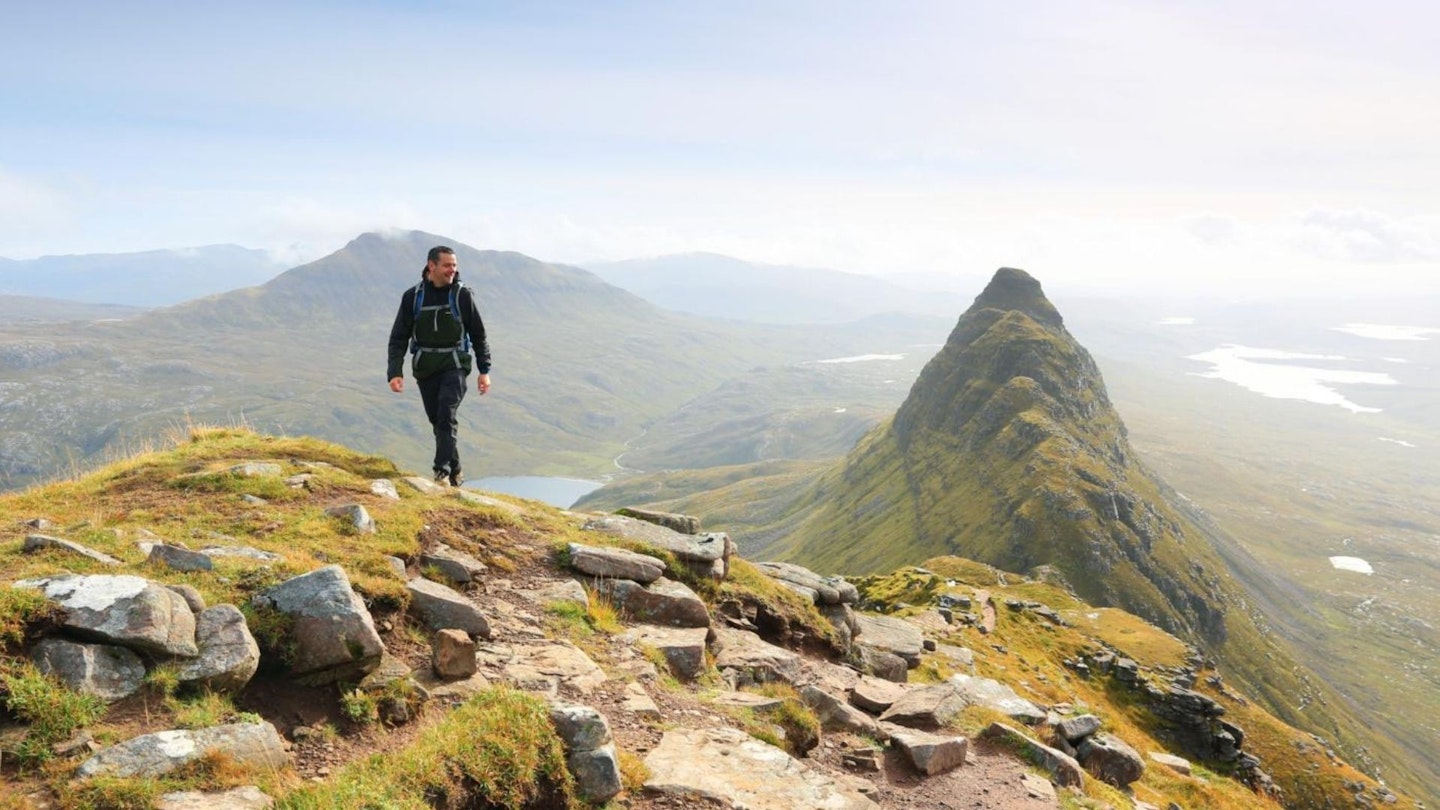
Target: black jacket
404, 327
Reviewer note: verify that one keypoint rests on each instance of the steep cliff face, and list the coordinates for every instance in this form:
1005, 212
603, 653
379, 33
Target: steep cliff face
1008, 451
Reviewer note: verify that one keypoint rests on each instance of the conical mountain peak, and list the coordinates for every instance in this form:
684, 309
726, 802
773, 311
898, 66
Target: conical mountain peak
1015, 289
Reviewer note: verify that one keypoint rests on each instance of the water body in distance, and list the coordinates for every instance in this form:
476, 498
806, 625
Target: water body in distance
559, 492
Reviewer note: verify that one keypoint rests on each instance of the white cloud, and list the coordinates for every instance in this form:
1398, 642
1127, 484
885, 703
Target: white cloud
1369, 236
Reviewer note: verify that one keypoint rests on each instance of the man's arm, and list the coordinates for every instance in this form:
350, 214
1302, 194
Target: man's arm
475, 327
400, 333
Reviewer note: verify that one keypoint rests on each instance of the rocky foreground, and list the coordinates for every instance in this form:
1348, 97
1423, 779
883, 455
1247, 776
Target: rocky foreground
676, 674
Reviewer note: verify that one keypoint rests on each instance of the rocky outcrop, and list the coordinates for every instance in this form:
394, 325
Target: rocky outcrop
1063, 768
663, 601
892, 635
928, 707
705, 554
821, 590
684, 524
615, 563
682, 647
995, 695
744, 659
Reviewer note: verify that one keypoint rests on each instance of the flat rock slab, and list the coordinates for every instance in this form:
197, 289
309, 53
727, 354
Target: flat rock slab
892, 635
126, 610
705, 548
926, 707
995, 695
663, 601
179, 559
747, 700
240, 798
931, 754
685, 524
876, 694
638, 702
615, 563
444, 608
837, 715
541, 667
425, 485
471, 496
754, 660
254, 744
40, 542
827, 590
239, 552
449, 691
453, 564
731, 767
683, 647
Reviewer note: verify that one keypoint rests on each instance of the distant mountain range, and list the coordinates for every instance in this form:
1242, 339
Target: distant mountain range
725, 287
154, 278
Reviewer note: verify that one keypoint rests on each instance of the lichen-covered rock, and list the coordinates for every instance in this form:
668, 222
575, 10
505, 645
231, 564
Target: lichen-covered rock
254, 744
229, 655
663, 601
126, 610
892, 635
749, 659
334, 634
104, 670
1110, 759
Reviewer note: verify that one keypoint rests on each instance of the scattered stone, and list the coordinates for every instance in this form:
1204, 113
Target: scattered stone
1037, 788
334, 635
300, 480
240, 798
452, 564
1179, 765
751, 660
663, 601
38, 542
596, 772
638, 702
729, 766
452, 655
441, 607
1064, 770
931, 754
881, 664
424, 485
748, 700
683, 647
103, 670
356, 515
471, 496
398, 566
1110, 759
229, 655
836, 715
1073, 729
615, 563
385, 488
179, 559
254, 744
963, 656
565, 590
863, 759
40, 524
253, 501
127, 610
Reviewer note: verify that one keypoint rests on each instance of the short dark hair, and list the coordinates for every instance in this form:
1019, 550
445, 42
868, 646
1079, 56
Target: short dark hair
434, 256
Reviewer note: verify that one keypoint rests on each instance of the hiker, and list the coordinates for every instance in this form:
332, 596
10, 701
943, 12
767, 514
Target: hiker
440, 324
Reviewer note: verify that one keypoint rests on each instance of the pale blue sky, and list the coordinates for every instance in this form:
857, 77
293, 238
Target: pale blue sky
1183, 145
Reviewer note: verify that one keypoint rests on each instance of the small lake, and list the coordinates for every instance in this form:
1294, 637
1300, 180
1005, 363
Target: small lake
561, 492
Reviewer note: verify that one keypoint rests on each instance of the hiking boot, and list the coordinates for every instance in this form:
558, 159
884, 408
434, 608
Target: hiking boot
456, 479
442, 477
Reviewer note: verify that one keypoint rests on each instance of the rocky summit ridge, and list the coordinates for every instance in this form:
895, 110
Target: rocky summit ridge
253, 621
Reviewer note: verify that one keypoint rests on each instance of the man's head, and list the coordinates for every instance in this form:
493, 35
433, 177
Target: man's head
441, 266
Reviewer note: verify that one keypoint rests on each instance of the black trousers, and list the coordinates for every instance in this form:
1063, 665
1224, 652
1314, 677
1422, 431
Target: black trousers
442, 394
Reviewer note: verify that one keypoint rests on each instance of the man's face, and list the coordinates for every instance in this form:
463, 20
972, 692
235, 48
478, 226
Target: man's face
442, 271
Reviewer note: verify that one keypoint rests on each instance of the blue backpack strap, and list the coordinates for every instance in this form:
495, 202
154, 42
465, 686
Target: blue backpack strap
455, 311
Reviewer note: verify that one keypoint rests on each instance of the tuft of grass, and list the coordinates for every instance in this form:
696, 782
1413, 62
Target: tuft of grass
360, 707
52, 710
497, 749
163, 679
202, 710
633, 771
602, 613
19, 607
110, 793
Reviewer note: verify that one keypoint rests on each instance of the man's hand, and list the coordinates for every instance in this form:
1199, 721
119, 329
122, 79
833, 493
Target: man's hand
483, 383
397, 384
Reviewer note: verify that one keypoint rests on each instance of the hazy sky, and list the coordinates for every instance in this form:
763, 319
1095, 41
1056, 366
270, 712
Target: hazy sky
1183, 146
